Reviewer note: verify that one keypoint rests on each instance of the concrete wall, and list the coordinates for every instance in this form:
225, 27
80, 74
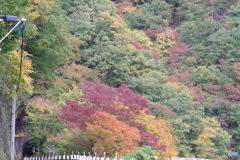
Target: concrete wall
5, 113
20, 142
5, 130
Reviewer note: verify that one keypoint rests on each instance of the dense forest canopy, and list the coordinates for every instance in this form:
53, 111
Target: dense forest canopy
160, 77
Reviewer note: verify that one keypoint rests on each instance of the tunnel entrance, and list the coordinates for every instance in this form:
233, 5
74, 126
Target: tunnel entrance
27, 150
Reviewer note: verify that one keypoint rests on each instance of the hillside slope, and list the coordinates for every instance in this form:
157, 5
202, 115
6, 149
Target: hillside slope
167, 69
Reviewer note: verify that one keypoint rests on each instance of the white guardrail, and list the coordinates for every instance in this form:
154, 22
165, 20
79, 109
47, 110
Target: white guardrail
181, 158
70, 157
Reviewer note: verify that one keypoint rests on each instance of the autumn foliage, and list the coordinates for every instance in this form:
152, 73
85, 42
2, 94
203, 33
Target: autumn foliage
113, 119
165, 144
75, 115
233, 92
122, 101
115, 75
109, 135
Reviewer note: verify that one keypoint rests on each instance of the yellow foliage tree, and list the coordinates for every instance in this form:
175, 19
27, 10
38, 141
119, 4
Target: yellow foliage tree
115, 22
13, 72
204, 143
162, 129
32, 13
164, 41
174, 84
45, 2
210, 135
144, 118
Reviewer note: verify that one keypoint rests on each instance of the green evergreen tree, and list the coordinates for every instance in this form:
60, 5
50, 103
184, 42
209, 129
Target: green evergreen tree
109, 58
154, 15
141, 153
51, 31
196, 32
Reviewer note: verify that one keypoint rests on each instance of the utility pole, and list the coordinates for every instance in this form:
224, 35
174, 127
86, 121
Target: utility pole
14, 100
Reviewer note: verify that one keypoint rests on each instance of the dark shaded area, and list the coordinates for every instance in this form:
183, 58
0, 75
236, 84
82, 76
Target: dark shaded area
27, 151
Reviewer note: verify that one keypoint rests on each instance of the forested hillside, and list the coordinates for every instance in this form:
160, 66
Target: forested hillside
116, 76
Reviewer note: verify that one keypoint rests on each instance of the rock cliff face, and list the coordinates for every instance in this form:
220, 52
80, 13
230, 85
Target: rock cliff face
4, 130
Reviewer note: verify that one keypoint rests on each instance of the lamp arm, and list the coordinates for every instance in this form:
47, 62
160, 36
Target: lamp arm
20, 20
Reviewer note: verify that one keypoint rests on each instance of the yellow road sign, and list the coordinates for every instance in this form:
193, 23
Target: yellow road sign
20, 135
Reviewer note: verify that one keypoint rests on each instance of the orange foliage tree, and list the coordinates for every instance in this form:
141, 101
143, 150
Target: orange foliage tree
106, 134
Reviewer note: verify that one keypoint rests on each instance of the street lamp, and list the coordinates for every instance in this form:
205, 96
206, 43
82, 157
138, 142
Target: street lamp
12, 19
51, 150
